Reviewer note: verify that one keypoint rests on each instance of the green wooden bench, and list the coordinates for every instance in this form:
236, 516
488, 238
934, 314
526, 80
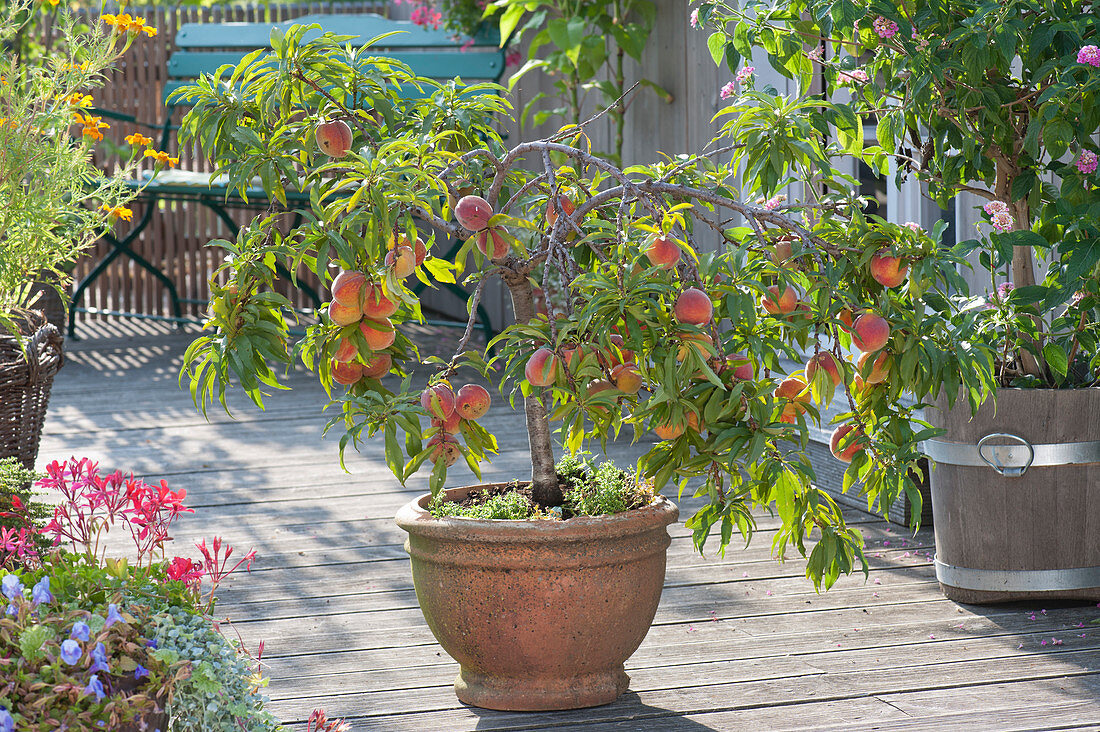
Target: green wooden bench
203, 48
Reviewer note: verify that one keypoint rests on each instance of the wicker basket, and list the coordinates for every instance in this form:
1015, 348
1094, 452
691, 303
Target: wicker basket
26, 375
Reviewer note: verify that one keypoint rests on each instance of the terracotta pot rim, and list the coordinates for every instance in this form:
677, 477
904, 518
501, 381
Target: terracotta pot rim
414, 518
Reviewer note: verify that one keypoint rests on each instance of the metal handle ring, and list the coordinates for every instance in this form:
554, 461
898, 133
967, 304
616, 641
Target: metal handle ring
1013, 471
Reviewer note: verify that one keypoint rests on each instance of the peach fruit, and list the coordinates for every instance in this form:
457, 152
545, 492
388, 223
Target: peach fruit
438, 401
698, 342
552, 212
781, 251
403, 261
694, 306
542, 368
378, 334
852, 437
888, 271
827, 362
845, 317
662, 252
878, 371
790, 413
376, 305
378, 366
741, 366
345, 351
573, 357
346, 373
792, 388
344, 314
870, 332
472, 401
780, 303
444, 448
420, 251
449, 425
347, 287
334, 138
669, 430
473, 212
627, 378
492, 244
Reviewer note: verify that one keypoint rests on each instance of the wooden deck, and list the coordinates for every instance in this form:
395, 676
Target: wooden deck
740, 643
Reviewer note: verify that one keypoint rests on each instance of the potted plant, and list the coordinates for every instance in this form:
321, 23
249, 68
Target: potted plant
644, 332
89, 641
996, 101
55, 202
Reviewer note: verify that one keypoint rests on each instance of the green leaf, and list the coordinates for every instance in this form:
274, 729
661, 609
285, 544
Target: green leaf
717, 46
1056, 359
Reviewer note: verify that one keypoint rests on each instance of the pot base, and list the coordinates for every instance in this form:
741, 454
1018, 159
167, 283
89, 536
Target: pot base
540, 694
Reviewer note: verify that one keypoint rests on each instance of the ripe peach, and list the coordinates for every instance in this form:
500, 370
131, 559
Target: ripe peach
595, 388
780, 303
552, 212
741, 366
420, 251
379, 334
888, 271
473, 212
542, 368
345, 373
573, 357
694, 306
345, 351
444, 448
781, 251
693, 421
790, 412
612, 357
870, 332
828, 363
334, 138
669, 430
853, 442
347, 287
376, 305
627, 378
438, 401
344, 314
499, 245
403, 261
698, 342
845, 317
878, 371
792, 388
662, 252
472, 401
449, 425
378, 366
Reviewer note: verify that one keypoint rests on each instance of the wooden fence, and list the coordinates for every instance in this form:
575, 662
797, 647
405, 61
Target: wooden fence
676, 58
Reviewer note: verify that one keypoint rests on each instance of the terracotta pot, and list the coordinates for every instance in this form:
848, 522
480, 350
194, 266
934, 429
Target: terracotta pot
540, 615
1029, 536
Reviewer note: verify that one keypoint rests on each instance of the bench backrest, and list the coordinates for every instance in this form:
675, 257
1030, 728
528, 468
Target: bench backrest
436, 54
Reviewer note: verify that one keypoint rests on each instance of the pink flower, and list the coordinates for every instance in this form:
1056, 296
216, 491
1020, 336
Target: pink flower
774, 202
427, 17
727, 91
855, 75
1089, 55
467, 45
694, 18
745, 74
995, 207
513, 58
1002, 221
1002, 292
1086, 163
184, 570
913, 226
817, 54
885, 28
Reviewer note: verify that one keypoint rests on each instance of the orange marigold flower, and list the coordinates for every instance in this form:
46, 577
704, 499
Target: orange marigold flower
138, 139
161, 157
80, 100
117, 212
149, 31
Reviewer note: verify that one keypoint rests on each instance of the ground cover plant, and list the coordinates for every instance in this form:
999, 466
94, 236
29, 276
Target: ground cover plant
648, 332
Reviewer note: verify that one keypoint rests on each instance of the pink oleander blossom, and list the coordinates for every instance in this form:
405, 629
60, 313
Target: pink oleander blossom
885, 28
745, 74
1089, 55
1086, 162
727, 91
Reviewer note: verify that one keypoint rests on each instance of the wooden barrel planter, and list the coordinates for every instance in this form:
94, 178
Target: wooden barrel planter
1016, 496
26, 377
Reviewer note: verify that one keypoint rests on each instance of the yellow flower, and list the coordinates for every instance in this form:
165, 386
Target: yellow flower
92, 125
138, 139
149, 31
161, 157
117, 212
80, 100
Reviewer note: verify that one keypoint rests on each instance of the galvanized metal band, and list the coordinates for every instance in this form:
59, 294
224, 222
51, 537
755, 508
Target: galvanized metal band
1013, 456
1018, 580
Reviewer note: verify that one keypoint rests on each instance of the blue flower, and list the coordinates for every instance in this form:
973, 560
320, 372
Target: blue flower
81, 631
95, 687
41, 591
7, 724
99, 660
12, 587
12, 609
70, 651
112, 616
151, 643
140, 671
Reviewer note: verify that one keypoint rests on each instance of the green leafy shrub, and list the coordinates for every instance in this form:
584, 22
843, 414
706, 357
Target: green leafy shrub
597, 491
20, 515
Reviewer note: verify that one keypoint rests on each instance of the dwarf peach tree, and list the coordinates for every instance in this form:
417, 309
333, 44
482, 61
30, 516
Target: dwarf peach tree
639, 328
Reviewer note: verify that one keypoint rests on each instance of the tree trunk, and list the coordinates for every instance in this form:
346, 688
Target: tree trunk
544, 479
1023, 261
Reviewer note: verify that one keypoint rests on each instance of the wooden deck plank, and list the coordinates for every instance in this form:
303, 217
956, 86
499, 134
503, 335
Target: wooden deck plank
740, 642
